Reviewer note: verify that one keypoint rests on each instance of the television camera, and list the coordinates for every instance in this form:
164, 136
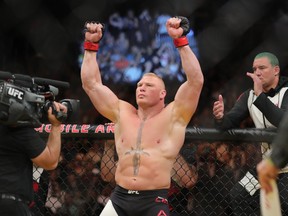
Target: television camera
25, 100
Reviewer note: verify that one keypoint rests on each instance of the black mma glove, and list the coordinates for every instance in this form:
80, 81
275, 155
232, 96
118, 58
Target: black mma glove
93, 46
183, 40
184, 24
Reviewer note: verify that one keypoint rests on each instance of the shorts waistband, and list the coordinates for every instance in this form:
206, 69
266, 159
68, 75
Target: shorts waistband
139, 192
13, 197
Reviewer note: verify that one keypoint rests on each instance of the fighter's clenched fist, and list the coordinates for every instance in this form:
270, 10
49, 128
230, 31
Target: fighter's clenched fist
177, 26
93, 31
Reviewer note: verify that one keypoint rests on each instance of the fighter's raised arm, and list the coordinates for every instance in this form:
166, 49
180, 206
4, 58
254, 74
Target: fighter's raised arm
187, 97
148, 137
104, 100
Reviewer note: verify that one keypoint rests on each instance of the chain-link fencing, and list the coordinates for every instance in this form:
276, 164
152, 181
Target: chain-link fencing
203, 178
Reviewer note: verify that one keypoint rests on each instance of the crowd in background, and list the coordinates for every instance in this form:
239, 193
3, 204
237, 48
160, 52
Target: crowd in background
134, 45
77, 187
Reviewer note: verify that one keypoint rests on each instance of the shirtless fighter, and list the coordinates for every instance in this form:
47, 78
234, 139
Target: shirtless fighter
147, 138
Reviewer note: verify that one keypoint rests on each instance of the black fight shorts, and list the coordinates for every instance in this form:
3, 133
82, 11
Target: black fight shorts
140, 203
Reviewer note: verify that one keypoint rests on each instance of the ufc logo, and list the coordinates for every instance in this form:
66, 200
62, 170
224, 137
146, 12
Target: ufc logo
15, 93
133, 192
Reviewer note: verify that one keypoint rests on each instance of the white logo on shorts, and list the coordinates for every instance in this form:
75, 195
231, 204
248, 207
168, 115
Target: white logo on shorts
133, 192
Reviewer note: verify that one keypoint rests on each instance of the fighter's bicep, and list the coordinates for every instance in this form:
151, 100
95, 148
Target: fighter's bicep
105, 102
185, 103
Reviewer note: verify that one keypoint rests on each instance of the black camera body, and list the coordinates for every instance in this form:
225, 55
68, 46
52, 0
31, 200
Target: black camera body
24, 101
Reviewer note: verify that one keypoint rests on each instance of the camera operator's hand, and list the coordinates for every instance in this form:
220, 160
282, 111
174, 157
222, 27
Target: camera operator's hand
49, 158
58, 107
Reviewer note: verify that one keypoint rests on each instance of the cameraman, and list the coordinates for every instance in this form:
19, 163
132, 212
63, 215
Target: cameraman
20, 147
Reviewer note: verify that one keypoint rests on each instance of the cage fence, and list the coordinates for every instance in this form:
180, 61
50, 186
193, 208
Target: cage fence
204, 174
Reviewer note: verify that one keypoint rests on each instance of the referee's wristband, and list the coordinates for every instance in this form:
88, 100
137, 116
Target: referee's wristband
91, 46
180, 42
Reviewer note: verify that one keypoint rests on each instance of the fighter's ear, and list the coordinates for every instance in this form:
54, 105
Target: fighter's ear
163, 94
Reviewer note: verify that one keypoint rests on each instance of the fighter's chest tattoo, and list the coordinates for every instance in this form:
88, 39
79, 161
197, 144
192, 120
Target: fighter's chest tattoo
137, 151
